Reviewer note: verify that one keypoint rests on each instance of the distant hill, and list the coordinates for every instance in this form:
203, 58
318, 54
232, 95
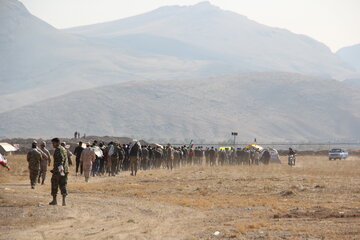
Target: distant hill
269, 106
38, 61
206, 32
351, 55
148, 77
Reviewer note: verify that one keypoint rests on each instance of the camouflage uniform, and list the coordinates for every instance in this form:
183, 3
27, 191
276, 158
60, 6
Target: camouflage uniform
58, 181
44, 163
34, 159
69, 155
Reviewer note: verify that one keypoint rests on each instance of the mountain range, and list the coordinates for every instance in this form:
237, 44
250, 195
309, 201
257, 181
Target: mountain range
176, 72
38, 61
206, 32
269, 106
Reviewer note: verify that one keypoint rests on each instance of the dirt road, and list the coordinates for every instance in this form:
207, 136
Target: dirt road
317, 199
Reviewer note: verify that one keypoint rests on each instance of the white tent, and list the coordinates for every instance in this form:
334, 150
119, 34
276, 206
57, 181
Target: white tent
274, 155
6, 148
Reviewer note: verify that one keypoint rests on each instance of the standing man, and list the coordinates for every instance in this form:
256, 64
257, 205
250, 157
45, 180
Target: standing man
266, 157
96, 164
257, 156
113, 154
212, 156
169, 157
34, 159
45, 162
102, 159
68, 152
77, 152
134, 156
86, 160
60, 172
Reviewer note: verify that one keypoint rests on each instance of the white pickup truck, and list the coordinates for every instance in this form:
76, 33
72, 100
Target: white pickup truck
338, 153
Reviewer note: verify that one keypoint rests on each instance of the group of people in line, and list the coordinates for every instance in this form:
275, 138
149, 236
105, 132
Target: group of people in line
39, 159
109, 159
97, 159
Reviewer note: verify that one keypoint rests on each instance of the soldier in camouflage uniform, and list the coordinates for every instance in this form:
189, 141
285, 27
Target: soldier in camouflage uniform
34, 159
45, 162
60, 172
69, 154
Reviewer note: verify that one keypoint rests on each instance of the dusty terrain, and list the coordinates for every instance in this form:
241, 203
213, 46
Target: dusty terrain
317, 199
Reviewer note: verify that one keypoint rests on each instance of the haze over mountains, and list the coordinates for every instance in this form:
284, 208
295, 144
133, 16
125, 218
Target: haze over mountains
38, 61
269, 106
206, 32
351, 55
147, 76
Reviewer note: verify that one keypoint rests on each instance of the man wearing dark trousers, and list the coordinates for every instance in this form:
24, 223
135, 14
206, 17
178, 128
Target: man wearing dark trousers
77, 152
60, 172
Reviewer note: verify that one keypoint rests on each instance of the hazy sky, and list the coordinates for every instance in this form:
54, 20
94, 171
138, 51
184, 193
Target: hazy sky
333, 22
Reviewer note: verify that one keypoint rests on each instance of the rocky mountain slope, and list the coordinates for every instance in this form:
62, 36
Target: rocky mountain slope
269, 106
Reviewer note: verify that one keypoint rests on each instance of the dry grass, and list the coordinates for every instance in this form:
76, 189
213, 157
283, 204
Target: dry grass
315, 199
19, 171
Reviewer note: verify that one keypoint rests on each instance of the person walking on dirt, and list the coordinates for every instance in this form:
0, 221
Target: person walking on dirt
69, 154
34, 159
212, 156
96, 163
134, 156
257, 156
60, 172
113, 156
291, 157
77, 152
169, 157
265, 158
102, 147
45, 162
87, 159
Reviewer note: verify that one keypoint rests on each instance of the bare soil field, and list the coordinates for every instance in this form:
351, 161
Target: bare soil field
317, 199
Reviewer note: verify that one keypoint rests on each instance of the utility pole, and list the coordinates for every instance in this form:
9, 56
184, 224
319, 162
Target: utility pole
234, 134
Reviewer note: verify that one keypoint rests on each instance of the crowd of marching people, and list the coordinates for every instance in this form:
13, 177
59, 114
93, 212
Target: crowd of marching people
100, 159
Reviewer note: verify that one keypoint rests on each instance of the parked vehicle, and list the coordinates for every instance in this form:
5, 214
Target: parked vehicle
337, 153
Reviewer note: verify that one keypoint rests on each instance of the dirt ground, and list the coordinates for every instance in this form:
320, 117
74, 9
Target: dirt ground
317, 199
